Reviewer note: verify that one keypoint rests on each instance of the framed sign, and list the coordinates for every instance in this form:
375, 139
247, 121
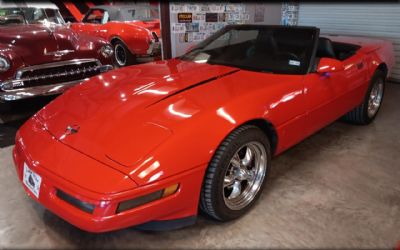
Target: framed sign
185, 17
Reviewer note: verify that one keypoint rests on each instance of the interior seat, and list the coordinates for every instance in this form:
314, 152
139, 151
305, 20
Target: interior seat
265, 44
325, 48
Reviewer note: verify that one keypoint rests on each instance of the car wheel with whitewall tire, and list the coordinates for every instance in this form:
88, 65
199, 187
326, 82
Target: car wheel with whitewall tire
366, 112
236, 174
122, 55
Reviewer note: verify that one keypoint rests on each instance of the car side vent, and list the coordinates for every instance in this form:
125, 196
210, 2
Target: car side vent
82, 205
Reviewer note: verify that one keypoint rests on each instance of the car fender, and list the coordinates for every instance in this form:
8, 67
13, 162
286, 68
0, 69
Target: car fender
202, 117
197, 134
135, 38
12, 55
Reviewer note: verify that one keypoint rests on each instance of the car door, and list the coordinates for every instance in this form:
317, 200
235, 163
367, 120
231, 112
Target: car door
331, 95
356, 73
93, 22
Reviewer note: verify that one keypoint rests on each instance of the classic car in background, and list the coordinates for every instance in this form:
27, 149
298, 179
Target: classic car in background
131, 29
40, 54
159, 140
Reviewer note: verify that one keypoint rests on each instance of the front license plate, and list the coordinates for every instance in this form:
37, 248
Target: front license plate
32, 180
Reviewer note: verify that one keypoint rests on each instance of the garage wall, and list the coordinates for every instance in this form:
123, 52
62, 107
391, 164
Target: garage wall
373, 19
267, 13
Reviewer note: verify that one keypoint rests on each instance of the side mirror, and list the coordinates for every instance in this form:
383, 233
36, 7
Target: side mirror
329, 65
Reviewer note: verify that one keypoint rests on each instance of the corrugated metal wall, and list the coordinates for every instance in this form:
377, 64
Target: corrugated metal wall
365, 19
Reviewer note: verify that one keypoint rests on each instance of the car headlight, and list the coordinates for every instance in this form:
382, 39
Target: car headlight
136, 202
107, 51
4, 64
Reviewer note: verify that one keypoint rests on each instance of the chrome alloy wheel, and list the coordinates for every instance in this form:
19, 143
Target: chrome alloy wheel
244, 175
375, 98
120, 55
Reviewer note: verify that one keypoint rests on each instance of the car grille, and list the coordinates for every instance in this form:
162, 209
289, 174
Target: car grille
59, 72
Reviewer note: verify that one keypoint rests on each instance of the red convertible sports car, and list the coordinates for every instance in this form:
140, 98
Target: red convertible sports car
150, 144
132, 30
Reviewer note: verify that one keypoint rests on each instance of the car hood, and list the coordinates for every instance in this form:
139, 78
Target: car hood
36, 44
95, 117
68, 164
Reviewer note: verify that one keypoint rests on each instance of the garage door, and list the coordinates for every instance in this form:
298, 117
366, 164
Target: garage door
373, 19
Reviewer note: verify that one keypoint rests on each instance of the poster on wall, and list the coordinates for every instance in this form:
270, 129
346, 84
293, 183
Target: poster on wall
196, 21
178, 28
290, 13
259, 13
211, 17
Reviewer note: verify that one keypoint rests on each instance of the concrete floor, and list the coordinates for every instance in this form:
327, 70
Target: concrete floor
339, 188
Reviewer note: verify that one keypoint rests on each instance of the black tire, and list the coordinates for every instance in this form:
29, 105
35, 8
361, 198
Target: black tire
212, 193
359, 115
122, 55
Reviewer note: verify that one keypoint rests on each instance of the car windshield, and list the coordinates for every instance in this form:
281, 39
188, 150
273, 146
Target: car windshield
142, 14
274, 49
101, 16
30, 16
97, 16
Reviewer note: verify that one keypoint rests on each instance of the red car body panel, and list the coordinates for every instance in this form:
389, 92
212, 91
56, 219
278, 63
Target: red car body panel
104, 217
17, 42
136, 35
158, 124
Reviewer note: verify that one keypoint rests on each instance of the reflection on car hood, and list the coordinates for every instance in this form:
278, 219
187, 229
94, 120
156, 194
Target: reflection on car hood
101, 109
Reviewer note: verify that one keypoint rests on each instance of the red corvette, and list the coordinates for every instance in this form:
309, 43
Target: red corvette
150, 144
132, 30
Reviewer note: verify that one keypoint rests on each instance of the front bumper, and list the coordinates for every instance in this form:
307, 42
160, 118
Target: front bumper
19, 94
44, 90
104, 217
154, 49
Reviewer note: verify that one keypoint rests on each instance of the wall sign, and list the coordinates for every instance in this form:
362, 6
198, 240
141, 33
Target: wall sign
212, 17
185, 17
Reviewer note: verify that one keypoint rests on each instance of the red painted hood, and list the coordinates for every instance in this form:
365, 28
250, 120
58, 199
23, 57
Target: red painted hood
34, 44
26, 39
102, 109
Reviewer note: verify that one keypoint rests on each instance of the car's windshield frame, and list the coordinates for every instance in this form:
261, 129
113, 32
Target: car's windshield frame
105, 18
309, 58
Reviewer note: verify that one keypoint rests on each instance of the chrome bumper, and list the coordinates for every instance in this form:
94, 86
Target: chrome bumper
43, 90
154, 48
18, 94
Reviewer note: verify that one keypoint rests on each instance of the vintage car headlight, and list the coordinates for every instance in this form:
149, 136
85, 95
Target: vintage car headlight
4, 64
107, 51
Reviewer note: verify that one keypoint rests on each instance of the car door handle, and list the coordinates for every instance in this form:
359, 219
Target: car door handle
360, 65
